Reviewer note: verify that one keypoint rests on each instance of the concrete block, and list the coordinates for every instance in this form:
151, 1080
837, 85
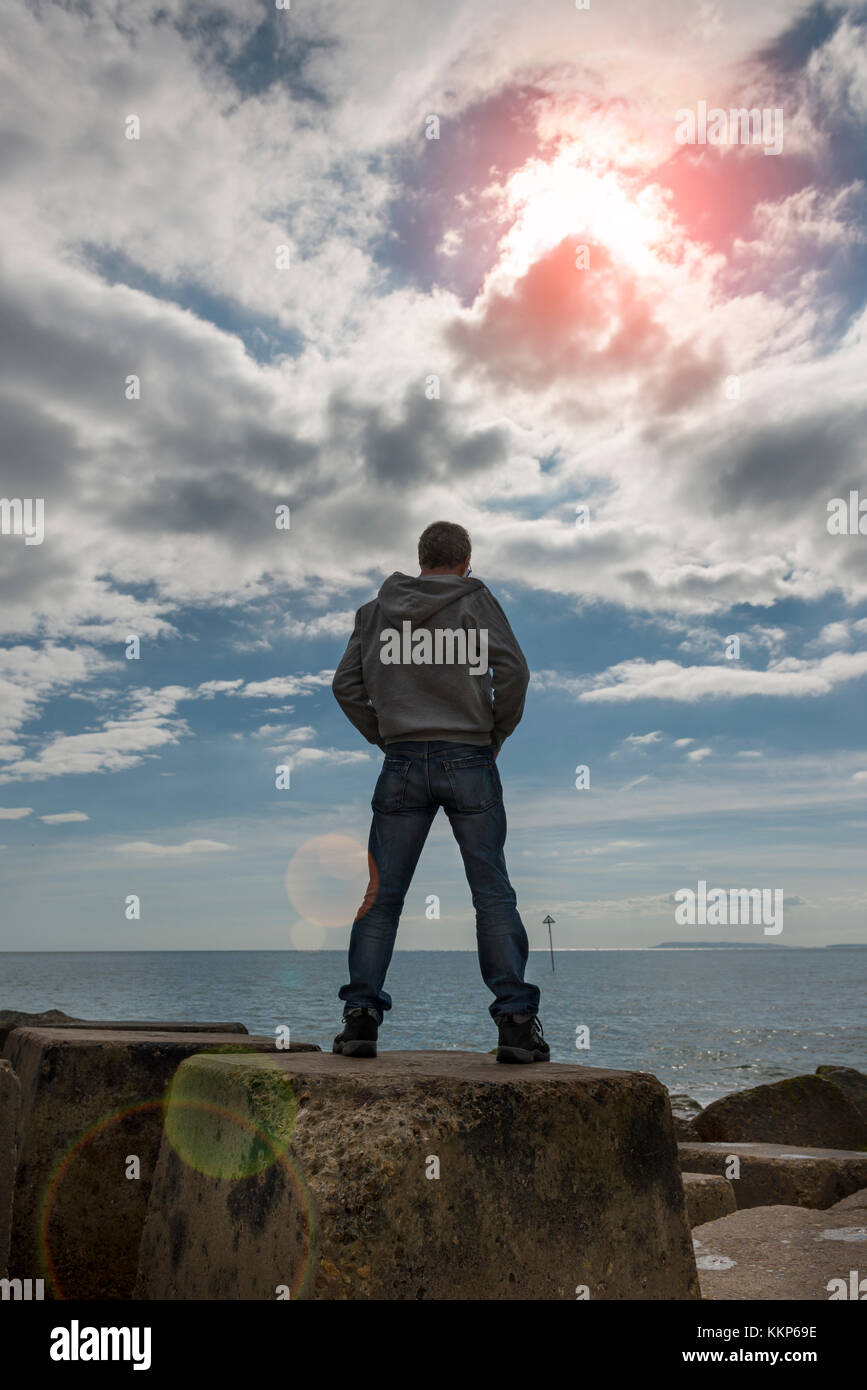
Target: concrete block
15, 1018
781, 1253
707, 1197
55, 1018
10, 1100
421, 1175
856, 1201
91, 1102
777, 1174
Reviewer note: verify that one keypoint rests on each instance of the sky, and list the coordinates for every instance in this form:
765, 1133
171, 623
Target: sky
388, 264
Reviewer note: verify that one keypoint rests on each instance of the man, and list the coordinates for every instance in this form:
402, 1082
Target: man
415, 680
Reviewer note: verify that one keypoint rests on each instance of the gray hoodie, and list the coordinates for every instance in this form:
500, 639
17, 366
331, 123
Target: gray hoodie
407, 672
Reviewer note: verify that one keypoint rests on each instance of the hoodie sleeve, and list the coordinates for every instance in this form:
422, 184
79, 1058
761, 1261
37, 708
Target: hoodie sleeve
511, 674
349, 689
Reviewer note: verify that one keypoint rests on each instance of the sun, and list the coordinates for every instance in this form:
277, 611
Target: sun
565, 198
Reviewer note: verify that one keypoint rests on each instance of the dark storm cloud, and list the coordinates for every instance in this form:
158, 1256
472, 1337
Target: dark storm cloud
221, 503
791, 462
234, 500
39, 453
37, 575
427, 443
70, 363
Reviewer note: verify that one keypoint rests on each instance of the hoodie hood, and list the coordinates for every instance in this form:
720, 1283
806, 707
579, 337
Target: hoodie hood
417, 598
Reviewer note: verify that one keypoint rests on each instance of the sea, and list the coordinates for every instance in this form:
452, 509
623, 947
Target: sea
705, 1021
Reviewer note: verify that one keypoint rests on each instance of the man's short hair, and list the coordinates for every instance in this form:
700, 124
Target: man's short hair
443, 543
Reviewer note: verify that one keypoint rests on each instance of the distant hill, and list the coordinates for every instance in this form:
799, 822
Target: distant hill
734, 945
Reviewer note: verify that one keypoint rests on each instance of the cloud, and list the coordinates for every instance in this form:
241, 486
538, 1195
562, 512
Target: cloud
699, 754
839, 634
117, 745
64, 818
29, 677
637, 679
190, 847
301, 735
636, 740
337, 624
278, 686
325, 756
558, 322
618, 844
208, 689
262, 386
15, 812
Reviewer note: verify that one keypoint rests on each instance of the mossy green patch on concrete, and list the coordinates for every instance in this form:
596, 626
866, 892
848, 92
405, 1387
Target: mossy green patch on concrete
230, 1128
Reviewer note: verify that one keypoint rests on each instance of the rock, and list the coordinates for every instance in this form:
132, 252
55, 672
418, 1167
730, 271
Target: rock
856, 1201
707, 1197
91, 1100
774, 1253
803, 1110
10, 1099
684, 1110
683, 1105
776, 1174
852, 1083
422, 1175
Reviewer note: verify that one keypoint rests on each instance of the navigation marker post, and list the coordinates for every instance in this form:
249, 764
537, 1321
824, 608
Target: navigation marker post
549, 922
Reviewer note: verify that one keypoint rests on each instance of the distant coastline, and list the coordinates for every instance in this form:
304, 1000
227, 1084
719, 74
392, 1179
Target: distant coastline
712, 945
750, 945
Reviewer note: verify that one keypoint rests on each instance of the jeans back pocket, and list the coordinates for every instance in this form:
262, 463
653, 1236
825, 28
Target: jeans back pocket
475, 782
390, 789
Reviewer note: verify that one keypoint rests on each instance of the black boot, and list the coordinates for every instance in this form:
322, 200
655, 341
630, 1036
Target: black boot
521, 1039
358, 1039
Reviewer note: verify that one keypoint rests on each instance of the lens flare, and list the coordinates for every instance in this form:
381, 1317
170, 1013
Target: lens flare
213, 1140
326, 879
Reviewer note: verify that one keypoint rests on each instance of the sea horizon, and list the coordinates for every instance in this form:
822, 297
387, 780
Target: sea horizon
704, 1027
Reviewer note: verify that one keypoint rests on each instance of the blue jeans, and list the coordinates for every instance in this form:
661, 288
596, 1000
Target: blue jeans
415, 780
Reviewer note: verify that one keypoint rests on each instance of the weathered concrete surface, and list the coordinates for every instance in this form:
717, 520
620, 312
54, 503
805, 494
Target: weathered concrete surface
550, 1177
90, 1099
779, 1175
780, 1253
856, 1201
14, 1018
707, 1197
10, 1100
56, 1018
810, 1109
